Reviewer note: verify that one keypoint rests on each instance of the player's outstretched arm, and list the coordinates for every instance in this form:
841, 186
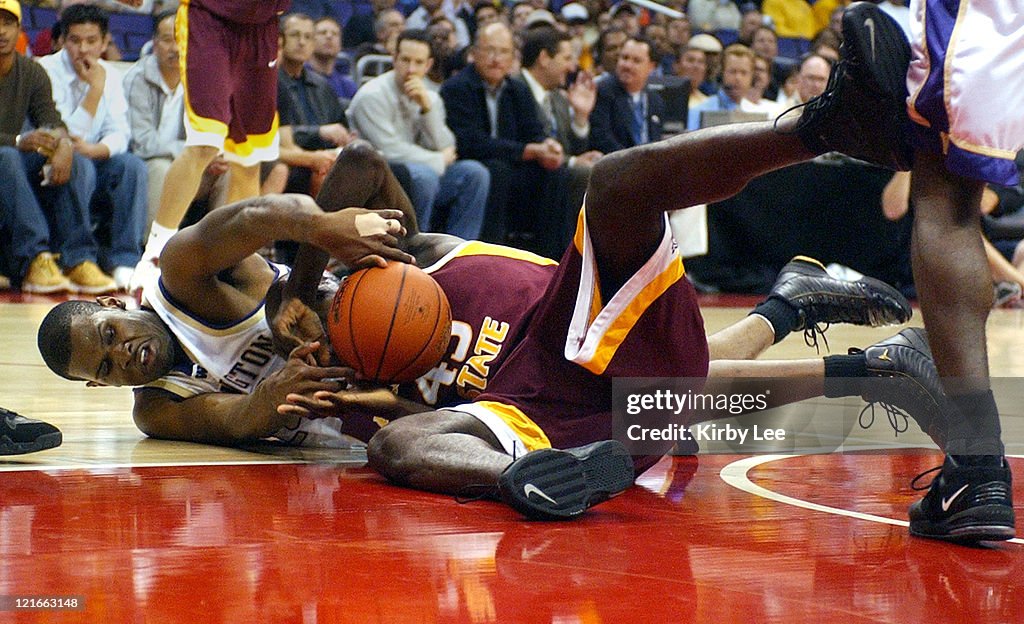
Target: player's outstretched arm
229, 419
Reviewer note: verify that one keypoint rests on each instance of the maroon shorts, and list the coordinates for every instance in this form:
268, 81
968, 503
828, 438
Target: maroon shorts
555, 388
229, 73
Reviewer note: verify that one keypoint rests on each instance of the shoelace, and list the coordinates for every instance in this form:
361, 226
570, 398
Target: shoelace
475, 492
811, 337
814, 104
479, 491
918, 488
892, 412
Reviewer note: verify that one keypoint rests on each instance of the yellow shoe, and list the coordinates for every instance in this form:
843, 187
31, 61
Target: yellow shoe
88, 279
44, 276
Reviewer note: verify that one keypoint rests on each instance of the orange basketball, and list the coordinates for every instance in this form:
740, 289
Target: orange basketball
392, 324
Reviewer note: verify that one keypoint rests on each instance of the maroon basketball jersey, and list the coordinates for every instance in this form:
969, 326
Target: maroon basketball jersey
493, 292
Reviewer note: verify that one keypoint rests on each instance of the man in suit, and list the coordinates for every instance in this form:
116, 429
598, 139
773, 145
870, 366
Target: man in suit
547, 59
626, 113
495, 121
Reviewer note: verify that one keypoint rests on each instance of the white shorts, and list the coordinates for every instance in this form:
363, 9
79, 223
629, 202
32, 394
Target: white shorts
966, 84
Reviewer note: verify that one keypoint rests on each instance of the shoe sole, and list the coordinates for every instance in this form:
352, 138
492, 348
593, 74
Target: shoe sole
44, 290
866, 28
93, 290
986, 523
552, 484
43, 442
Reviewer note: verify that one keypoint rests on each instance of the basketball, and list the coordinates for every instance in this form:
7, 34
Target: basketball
392, 324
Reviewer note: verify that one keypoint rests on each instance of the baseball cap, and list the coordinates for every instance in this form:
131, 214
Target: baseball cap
705, 42
540, 16
11, 6
575, 12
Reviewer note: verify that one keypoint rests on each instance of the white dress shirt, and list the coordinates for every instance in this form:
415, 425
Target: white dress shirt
110, 124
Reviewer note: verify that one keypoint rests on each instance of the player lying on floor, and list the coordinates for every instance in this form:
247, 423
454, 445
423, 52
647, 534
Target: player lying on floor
534, 300
199, 349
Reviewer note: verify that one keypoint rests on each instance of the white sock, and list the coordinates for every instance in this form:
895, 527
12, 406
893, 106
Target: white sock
158, 237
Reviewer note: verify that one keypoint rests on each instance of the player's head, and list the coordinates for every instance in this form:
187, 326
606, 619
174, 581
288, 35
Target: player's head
105, 344
86, 32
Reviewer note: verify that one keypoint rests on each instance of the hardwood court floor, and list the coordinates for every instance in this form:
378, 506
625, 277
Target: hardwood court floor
149, 531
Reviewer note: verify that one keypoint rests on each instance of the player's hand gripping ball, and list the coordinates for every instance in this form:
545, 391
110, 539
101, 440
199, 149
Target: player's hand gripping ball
391, 325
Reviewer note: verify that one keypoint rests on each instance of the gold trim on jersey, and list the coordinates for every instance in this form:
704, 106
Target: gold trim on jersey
531, 435
173, 387
479, 248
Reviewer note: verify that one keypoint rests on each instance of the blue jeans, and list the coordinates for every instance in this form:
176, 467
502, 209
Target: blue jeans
462, 190
31, 212
117, 188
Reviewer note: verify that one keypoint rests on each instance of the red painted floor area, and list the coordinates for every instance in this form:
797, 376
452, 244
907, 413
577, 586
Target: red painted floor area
321, 543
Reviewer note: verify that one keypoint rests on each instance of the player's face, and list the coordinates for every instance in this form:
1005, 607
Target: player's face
117, 347
328, 39
85, 42
634, 65
412, 60
164, 45
8, 33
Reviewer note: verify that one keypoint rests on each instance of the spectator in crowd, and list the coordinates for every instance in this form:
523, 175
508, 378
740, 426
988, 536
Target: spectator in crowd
518, 12
485, 13
327, 46
692, 65
576, 19
428, 9
761, 81
312, 118
28, 206
609, 43
406, 121
712, 15
448, 58
495, 121
156, 115
547, 61
812, 78
386, 28
712, 48
737, 79
91, 101
766, 44
826, 43
660, 48
359, 28
626, 113
792, 18
627, 17
750, 21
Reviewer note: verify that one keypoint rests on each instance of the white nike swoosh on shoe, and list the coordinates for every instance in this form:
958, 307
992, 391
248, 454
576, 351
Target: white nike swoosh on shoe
946, 502
530, 488
870, 24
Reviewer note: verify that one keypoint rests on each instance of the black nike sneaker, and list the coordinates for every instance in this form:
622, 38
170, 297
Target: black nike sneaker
965, 503
551, 484
822, 299
19, 435
863, 110
907, 384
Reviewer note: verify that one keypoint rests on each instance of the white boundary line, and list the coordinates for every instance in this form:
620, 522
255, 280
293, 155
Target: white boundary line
735, 474
186, 464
